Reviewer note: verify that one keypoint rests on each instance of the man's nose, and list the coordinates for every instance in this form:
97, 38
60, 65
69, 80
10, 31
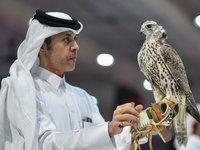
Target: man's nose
74, 46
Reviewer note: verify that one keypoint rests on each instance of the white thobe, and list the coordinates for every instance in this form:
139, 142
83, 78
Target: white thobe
60, 110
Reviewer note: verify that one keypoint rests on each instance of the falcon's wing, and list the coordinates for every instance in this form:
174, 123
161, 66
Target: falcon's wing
175, 66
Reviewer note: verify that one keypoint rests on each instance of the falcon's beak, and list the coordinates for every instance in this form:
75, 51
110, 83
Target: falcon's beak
141, 30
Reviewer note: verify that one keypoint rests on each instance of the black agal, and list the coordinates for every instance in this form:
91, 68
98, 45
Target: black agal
44, 18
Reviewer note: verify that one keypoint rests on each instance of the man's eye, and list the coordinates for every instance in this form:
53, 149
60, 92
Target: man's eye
67, 39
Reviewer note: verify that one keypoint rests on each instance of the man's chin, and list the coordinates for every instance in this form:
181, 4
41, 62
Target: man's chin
70, 69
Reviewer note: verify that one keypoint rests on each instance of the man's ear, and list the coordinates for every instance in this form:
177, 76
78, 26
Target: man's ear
43, 48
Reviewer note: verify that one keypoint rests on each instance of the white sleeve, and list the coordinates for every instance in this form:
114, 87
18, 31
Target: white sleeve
91, 138
122, 141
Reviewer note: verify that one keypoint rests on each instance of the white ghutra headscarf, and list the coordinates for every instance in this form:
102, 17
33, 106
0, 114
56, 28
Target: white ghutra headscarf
17, 95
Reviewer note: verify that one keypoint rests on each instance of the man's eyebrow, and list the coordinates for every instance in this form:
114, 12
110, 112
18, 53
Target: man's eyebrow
67, 34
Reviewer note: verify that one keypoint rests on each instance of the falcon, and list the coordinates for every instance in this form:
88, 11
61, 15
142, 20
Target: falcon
164, 69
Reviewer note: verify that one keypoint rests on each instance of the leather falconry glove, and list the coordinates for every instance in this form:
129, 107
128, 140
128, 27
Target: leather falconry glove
157, 118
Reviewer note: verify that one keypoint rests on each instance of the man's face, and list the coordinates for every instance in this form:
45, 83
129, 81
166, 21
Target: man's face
62, 55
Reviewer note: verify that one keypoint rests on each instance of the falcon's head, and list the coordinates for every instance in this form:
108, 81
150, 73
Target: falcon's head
149, 27
154, 32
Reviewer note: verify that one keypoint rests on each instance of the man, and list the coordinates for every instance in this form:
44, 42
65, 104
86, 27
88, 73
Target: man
39, 110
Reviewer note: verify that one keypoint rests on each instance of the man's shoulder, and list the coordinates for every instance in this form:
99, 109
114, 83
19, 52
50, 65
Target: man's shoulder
76, 88
5, 83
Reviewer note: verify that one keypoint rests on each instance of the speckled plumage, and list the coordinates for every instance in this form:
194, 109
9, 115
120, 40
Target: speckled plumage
163, 68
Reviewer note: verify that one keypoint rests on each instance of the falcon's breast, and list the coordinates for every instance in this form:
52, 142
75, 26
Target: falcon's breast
155, 70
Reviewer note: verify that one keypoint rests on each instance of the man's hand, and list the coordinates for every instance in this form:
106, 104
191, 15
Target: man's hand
127, 114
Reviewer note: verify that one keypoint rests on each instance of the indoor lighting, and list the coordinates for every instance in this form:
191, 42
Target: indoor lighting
105, 59
197, 21
147, 85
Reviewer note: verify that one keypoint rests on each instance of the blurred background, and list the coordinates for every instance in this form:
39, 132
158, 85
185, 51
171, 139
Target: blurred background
111, 27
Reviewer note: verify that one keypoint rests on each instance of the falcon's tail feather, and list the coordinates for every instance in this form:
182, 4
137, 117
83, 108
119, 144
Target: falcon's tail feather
180, 125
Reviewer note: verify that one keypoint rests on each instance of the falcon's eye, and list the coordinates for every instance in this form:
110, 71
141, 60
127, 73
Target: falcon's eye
148, 26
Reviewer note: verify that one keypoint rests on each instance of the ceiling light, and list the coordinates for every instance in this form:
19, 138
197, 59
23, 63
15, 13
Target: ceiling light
197, 21
147, 85
105, 59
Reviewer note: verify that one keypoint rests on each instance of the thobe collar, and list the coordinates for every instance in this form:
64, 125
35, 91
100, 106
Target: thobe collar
53, 79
